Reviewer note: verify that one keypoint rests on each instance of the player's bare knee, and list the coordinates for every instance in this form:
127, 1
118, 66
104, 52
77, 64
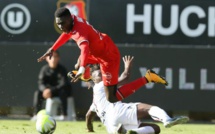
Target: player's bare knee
142, 110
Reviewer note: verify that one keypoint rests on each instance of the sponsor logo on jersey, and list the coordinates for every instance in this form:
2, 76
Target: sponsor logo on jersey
107, 75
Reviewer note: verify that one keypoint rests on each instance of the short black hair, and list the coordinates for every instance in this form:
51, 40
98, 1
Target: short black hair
60, 12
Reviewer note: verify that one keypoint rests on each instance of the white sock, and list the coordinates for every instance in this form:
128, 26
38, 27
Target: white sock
158, 114
144, 130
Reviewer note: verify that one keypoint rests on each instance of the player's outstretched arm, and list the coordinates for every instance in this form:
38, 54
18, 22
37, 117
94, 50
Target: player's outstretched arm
60, 41
49, 53
89, 120
84, 46
127, 67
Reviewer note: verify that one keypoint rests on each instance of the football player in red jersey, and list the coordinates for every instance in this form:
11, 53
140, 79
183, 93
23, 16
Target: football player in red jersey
96, 48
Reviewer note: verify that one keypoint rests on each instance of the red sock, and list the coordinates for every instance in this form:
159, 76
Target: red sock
130, 88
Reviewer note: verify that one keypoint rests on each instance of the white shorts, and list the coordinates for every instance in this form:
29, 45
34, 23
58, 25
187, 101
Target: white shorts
121, 113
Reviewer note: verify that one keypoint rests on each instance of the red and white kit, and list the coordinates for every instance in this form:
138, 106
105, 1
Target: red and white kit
95, 47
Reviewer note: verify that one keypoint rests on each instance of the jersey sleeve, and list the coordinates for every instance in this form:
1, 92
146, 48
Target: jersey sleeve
84, 46
61, 40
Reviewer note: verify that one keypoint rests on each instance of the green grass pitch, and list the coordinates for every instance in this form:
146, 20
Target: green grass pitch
28, 127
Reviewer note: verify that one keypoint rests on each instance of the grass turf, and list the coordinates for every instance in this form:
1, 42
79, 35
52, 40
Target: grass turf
28, 127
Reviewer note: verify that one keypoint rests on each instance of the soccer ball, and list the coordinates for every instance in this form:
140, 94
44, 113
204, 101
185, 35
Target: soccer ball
45, 124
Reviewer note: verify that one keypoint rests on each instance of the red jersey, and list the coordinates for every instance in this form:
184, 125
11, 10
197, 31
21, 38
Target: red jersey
83, 32
95, 47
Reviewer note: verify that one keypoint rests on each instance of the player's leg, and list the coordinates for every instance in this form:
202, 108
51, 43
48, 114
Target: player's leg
110, 65
126, 114
128, 119
143, 110
145, 128
110, 92
159, 114
131, 87
155, 127
110, 74
114, 93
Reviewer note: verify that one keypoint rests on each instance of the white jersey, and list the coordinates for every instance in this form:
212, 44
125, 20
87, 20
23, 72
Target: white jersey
111, 114
100, 102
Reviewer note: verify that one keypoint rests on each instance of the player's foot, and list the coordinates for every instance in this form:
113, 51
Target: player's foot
151, 76
175, 121
120, 129
131, 132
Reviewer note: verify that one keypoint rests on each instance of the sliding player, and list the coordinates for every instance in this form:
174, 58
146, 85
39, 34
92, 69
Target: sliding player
126, 115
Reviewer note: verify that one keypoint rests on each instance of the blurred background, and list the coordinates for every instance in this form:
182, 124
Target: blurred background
175, 38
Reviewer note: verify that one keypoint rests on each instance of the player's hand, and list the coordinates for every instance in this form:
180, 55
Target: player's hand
90, 128
74, 75
90, 131
80, 72
76, 78
127, 61
49, 53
